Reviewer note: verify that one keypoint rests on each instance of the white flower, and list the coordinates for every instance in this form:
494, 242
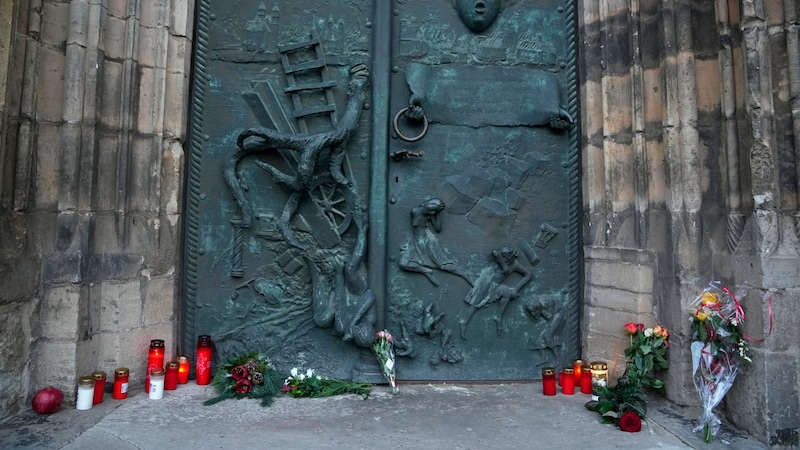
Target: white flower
648, 332
301, 377
310, 373
734, 322
294, 371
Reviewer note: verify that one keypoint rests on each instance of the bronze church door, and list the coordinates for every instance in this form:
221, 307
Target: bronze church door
402, 165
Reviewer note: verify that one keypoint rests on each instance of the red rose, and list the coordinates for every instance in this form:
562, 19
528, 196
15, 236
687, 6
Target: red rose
630, 422
239, 373
631, 328
641, 327
243, 386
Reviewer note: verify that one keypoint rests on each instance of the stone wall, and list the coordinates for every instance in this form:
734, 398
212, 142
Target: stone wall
690, 126
689, 117
94, 121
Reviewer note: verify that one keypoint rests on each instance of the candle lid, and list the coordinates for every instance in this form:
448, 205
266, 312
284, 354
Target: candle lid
172, 365
99, 375
569, 370
549, 371
157, 343
183, 360
599, 365
156, 372
121, 372
578, 362
86, 381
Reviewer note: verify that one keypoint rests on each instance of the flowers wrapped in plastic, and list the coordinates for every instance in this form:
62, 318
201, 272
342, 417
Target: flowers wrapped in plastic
384, 351
718, 349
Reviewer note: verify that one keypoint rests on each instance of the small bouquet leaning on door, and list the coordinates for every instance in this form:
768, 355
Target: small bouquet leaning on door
384, 351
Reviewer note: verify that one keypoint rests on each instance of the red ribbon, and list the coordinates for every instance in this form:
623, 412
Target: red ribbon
740, 317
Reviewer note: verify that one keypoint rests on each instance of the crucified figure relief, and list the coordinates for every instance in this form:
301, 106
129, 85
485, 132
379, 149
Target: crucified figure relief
309, 147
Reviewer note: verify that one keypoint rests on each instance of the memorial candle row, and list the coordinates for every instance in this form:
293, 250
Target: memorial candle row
160, 376
588, 378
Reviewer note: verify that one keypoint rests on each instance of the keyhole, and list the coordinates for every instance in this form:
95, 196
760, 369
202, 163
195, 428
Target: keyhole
396, 179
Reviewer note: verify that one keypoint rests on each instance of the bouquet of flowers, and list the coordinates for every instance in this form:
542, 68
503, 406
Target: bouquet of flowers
718, 349
247, 376
384, 351
624, 404
309, 384
647, 353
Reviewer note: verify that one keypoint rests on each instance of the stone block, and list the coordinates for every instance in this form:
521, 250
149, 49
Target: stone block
120, 306
60, 312
160, 300
181, 17
53, 363
121, 266
172, 181
152, 47
18, 282
611, 322
50, 79
616, 299
154, 13
55, 20
78, 21
110, 101
176, 105
62, 268
113, 41
623, 276
143, 182
151, 83
118, 9
13, 339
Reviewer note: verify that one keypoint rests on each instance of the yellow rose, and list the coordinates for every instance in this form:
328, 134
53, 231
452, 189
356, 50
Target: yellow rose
700, 315
709, 297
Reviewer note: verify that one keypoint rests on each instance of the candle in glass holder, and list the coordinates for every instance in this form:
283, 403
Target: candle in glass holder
203, 363
156, 391
586, 380
171, 377
549, 381
183, 370
155, 360
599, 378
85, 393
568, 387
120, 383
577, 365
99, 386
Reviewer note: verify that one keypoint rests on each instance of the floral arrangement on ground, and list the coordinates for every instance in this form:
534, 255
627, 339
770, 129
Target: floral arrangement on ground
624, 404
251, 375
309, 384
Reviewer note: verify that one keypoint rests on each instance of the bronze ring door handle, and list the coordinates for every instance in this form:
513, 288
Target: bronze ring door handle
404, 137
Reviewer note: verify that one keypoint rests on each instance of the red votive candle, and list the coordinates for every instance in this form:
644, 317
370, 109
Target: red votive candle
586, 380
549, 381
171, 377
183, 370
568, 387
120, 384
99, 386
577, 365
155, 360
203, 363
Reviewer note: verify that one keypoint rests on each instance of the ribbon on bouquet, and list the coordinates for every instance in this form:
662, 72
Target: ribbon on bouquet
740, 317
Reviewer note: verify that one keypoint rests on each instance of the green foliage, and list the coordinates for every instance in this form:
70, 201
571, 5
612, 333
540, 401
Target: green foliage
260, 380
309, 384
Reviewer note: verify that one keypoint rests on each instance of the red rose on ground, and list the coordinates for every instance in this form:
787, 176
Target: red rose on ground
630, 422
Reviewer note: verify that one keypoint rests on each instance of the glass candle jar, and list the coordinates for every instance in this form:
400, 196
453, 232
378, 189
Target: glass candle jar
577, 367
85, 393
203, 363
156, 384
599, 377
183, 370
155, 360
99, 386
568, 387
171, 377
549, 381
586, 379
120, 383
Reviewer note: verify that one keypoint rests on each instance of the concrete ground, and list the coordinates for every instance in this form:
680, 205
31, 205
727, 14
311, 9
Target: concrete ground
421, 416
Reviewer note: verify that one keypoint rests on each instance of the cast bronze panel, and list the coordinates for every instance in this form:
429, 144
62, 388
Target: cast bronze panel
359, 165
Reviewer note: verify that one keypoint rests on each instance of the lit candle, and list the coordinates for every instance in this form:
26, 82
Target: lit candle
568, 387
586, 379
203, 363
155, 360
577, 365
99, 386
549, 381
171, 378
183, 370
599, 378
